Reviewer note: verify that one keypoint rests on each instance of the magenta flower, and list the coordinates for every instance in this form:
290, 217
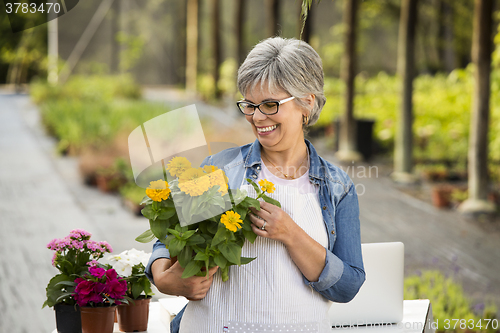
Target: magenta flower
111, 274
98, 272
116, 288
99, 286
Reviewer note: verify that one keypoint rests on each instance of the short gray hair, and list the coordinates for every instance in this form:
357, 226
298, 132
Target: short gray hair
289, 65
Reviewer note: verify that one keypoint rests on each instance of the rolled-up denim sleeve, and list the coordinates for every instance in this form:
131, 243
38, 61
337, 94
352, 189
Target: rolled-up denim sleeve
343, 273
159, 251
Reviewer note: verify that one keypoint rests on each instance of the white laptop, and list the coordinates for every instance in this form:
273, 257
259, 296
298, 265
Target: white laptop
380, 299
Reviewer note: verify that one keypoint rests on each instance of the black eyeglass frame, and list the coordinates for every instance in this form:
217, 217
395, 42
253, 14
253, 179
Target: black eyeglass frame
257, 106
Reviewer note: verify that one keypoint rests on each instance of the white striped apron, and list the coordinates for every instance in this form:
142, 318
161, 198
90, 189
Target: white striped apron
268, 294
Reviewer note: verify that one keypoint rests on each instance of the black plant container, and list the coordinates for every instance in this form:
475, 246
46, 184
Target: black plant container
68, 318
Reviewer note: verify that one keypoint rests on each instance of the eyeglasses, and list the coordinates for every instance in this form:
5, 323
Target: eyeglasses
268, 108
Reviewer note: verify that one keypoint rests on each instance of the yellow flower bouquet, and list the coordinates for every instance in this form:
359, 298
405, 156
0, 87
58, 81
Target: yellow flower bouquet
201, 222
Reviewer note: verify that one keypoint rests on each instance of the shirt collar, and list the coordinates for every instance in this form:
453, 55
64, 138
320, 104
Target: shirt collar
315, 169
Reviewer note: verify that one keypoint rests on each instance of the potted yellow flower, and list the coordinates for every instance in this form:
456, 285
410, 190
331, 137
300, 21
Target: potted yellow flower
201, 222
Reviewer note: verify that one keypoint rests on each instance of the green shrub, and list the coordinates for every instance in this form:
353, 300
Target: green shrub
447, 299
89, 88
80, 123
442, 111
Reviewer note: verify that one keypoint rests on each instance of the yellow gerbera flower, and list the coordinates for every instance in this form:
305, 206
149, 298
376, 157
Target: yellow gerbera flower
210, 168
158, 190
231, 220
194, 182
191, 174
266, 186
218, 178
178, 165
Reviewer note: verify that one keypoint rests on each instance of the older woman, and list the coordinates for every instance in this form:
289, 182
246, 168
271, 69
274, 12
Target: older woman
309, 251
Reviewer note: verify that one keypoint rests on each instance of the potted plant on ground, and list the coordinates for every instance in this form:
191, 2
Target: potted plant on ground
132, 196
72, 257
98, 292
130, 265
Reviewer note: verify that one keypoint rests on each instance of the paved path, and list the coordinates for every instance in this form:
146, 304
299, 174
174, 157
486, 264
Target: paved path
42, 197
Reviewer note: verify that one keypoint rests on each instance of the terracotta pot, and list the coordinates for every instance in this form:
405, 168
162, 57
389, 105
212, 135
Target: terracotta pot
68, 318
133, 317
98, 320
441, 196
494, 197
110, 183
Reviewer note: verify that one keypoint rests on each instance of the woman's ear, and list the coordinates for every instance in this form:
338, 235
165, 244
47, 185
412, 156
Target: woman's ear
309, 99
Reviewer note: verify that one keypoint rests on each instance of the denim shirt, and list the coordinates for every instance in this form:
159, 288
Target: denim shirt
343, 273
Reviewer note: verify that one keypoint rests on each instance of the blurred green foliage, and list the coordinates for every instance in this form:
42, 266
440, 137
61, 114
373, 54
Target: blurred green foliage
91, 111
132, 192
448, 302
100, 88
442, 111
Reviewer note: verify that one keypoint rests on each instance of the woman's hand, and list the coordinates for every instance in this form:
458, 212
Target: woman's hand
168, 279
278, 224
306, 253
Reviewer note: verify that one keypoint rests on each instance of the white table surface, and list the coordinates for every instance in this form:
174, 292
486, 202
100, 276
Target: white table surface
417, 317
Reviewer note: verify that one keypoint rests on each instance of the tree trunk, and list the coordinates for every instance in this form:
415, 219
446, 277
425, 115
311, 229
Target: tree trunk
478, 138
192, 45
446, 53
274, 18
216, 45
403, 160
240, 36
308, 24
115, 28
53, 50
347, 139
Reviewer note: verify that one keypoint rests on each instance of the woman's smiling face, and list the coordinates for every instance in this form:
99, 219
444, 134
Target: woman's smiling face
279, 131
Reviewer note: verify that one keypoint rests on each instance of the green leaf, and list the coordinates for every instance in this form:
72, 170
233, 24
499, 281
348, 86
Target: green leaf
148, 212
167, 240
220, 236
66, 283
225, 274
186, 209
271, 200
241, 211
195, 240
175, 247
174, 232
220, 261
246, 260
251, 202
187, 234
146, 200
137, 289
255, 186
146, 285
192, 269
213, 227
146, 237
54, 289
185, 256
166, 213
232, 252
202, 256
250, 235
158, 228
63, 296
